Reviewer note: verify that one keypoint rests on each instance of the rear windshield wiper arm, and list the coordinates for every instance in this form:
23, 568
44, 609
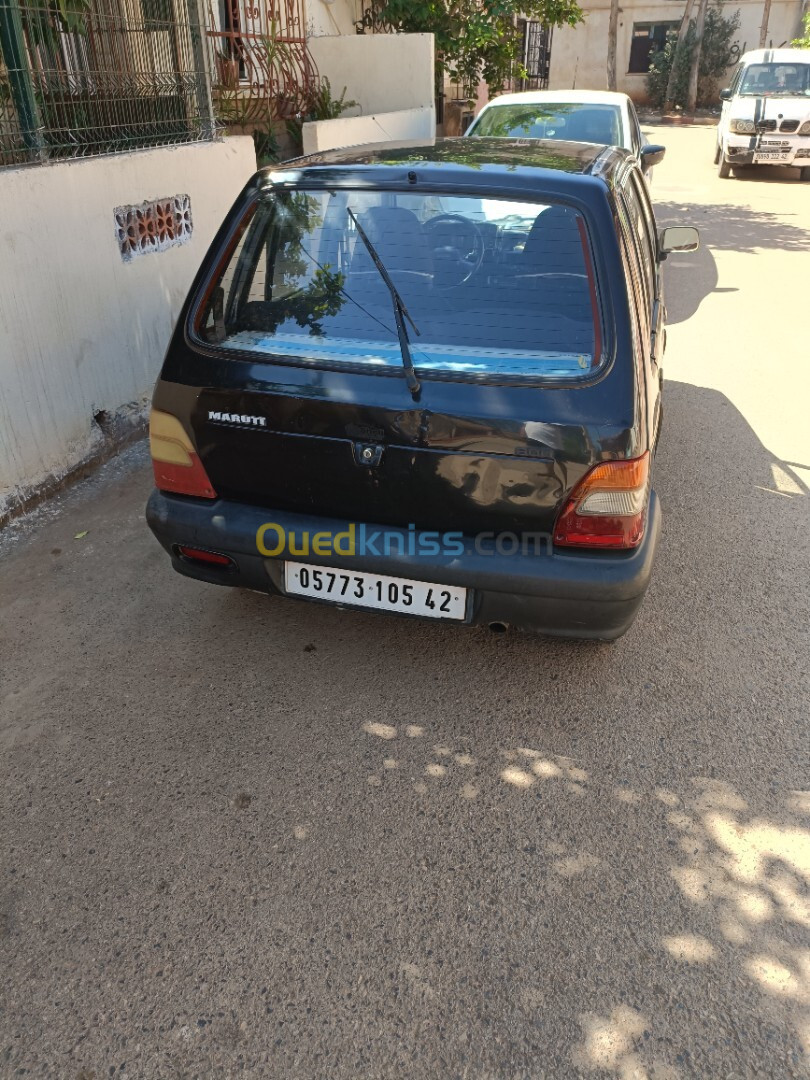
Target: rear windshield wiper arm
401, 313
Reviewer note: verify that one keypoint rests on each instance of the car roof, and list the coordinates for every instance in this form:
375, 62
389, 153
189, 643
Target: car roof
776, 56
493, 155
575, 97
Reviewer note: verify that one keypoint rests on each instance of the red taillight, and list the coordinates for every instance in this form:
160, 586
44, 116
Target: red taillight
200, 555
608, 507
175, 462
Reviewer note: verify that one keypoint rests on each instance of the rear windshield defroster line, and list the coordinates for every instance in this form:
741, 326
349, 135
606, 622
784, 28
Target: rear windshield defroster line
498, 288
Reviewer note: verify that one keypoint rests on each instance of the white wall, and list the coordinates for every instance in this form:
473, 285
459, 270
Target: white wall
579, 54
381, 72
331, 17
380, 127
81, 331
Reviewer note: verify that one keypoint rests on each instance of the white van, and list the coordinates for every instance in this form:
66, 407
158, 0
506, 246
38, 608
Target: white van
766, 112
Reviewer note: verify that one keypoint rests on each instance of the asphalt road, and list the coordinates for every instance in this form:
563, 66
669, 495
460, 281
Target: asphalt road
260, 837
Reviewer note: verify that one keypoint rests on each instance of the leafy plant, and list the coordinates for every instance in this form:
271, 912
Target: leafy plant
251, 92
44, 25
717, 53
803, 42
320, 105
475, 39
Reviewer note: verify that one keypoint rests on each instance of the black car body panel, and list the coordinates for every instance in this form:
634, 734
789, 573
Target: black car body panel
279, 436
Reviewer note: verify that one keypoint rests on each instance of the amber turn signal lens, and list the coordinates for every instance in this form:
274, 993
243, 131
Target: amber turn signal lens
608, 507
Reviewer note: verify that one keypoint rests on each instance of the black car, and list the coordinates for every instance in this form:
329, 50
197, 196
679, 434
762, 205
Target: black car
425, 379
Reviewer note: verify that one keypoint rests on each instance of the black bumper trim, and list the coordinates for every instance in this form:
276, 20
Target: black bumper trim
568, 593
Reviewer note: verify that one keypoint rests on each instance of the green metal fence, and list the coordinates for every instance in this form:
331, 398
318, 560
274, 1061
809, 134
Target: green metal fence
86, 77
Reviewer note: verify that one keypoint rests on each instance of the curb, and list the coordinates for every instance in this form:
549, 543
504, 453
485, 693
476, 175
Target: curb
678, 120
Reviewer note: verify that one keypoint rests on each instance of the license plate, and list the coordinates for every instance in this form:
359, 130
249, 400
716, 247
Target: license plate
375, 591
771, 155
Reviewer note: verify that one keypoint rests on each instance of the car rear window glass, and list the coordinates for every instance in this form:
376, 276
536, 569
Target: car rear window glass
780, 78
575, 122
494, 288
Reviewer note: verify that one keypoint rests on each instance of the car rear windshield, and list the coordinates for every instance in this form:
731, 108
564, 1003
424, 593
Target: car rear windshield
491, 288
782, 78
552, 120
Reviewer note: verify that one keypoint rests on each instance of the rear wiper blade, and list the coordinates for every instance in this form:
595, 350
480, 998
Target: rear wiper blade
401, 313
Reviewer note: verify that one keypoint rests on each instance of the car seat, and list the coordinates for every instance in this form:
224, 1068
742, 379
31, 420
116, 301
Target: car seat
399, 239
552, 270
591, 125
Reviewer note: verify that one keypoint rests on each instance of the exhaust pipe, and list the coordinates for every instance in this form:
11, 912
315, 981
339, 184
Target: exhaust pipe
498, 627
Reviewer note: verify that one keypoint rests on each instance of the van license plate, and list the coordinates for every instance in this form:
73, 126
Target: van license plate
377, 591
771, 155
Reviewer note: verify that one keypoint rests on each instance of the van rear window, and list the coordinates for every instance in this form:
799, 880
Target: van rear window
492, 288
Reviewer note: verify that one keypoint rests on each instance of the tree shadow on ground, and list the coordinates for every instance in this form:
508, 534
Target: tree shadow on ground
736, 228
541, 857
692, 276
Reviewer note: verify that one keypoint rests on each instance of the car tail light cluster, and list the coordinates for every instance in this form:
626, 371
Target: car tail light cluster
176, 465
608, 507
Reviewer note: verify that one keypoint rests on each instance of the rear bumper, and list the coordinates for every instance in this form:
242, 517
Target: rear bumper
570, 594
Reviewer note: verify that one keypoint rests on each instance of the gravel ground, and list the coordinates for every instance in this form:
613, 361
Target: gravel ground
261, 837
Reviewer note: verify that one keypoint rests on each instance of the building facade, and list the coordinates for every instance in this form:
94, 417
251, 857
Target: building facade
578, 55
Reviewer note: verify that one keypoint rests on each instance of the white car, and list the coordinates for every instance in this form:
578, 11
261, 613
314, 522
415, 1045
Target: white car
594, 116
766, 112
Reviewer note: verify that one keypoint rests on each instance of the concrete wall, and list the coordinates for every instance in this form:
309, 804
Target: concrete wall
380, 127
327, 17
579, 54
81, 331
381, 72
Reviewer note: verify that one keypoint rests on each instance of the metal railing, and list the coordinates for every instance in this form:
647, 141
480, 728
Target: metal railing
262, 69
535, 55
86, 77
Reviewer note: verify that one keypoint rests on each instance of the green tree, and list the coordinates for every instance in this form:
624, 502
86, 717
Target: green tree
716, 56
803, 42
475, 39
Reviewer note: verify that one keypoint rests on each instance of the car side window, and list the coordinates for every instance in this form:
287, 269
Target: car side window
642, 241
643, 196
632, 274
735, 82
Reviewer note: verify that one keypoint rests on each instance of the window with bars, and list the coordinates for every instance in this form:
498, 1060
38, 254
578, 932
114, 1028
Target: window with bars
648, 39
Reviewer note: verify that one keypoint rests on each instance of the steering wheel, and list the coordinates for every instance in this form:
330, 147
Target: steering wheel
458, 248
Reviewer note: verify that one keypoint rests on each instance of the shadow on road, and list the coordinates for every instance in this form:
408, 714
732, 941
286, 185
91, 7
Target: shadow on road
688, 279
736, 228
244, 828
691, 277
768, 174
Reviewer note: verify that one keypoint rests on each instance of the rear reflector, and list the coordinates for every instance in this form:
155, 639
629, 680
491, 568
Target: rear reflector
608, 507
199, 555
176, 465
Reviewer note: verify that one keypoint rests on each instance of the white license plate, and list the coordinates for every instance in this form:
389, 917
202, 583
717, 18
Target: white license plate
376, 591
771, 155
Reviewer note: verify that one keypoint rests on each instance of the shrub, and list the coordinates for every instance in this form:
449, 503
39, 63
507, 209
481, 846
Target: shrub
803, 42
718, 52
